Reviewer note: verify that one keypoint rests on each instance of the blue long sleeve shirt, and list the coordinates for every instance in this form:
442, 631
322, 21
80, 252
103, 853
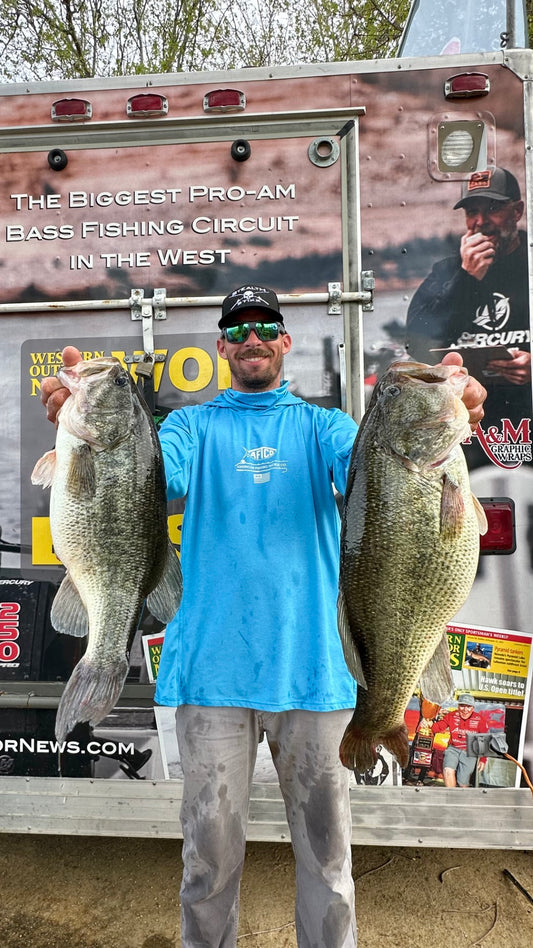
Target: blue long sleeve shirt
257, 626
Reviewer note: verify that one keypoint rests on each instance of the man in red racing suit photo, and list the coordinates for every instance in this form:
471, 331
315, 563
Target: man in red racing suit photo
458, 767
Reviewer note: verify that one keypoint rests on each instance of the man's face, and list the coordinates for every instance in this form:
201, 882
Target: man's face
465, 710
255, 365
497, 220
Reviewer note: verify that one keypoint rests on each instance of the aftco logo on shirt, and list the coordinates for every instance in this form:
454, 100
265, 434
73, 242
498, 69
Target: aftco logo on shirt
260, 462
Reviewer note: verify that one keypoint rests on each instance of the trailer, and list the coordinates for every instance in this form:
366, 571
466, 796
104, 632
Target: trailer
129, 208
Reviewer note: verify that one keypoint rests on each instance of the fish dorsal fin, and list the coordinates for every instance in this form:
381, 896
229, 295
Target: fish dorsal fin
164, 601
68, 614
81, 478
436, 682
351, 652
44, 470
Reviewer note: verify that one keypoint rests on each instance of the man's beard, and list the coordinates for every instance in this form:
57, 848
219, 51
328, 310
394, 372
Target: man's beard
505, 240
262, 380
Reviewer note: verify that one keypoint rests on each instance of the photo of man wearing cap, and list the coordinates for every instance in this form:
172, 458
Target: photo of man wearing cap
254, 651
480, 296
458, 767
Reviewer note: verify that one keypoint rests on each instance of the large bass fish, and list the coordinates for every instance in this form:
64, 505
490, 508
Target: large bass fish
108, 521
409, 551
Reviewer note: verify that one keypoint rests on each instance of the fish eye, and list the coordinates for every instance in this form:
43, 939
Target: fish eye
392, 391
121, 380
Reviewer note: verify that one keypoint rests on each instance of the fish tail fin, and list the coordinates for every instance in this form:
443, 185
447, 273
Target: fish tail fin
358, 747
397, 742
90, 693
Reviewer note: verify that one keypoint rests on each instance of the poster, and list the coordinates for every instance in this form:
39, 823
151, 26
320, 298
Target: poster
491, 670
189, 219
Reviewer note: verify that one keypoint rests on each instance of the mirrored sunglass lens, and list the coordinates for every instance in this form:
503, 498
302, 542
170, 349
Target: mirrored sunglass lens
240, 333
267, 331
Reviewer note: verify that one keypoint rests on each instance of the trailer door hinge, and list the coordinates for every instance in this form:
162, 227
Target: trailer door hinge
368, 285
160, 300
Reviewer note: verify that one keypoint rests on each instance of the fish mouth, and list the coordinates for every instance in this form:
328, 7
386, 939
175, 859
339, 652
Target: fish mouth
440, 416
454, 375
71, 376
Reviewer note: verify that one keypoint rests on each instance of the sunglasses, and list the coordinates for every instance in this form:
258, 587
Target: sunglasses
267, 332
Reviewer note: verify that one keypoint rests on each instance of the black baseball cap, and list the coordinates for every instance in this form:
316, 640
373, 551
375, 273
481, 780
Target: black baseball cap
496, 185
249, 297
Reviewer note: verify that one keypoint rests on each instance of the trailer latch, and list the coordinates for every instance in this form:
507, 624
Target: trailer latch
335, 299
148, 310
364, 296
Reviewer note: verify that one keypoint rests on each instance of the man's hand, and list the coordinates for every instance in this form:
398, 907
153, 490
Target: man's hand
53, 393
516, 370
474, 394
477, 254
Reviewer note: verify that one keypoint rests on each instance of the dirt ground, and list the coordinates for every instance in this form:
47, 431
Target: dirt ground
68, 892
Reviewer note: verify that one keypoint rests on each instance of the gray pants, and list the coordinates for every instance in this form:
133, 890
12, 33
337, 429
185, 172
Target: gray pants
218, 748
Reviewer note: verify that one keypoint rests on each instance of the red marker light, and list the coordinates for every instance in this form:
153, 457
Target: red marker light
71, 110
468, 85
147, 105
501, 535
224, 100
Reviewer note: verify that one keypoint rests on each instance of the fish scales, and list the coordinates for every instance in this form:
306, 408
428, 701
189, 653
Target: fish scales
409, 553
109, 528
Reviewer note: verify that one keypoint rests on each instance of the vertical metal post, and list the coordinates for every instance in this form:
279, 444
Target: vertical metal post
527, 87
351, 241
510, 26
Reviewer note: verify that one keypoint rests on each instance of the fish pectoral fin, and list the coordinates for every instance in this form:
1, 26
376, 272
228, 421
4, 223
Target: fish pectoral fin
481, 516
436, 682
164, 601
81, 478
452, 508
44, 470
351, 652
68, 614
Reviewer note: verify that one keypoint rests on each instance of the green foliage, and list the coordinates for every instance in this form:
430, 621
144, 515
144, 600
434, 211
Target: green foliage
529, 14
355, 29
65, 39
52, 39
49, 39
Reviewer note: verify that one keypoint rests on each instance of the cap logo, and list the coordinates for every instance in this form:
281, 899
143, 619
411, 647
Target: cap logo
249, 297
480, 179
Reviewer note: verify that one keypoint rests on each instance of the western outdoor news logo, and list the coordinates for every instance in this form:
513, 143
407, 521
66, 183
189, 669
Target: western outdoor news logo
22, 745
505, 445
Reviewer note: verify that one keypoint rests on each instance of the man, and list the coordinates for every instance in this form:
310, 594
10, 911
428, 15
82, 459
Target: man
476, 657
458, 767
254, 648
480, 297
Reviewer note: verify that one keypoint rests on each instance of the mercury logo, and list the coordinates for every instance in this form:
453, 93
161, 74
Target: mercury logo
495, 317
